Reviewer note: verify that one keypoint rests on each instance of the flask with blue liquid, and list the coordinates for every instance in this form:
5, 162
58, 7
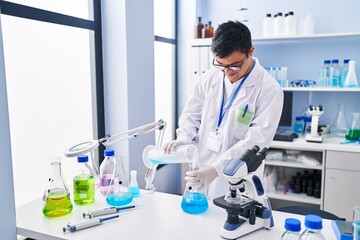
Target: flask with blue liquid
194, 201
114, 184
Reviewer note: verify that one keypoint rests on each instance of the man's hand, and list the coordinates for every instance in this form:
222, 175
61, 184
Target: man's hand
170, 146
201, 176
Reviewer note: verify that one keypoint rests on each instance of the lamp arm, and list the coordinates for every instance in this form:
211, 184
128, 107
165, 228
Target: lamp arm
135, 132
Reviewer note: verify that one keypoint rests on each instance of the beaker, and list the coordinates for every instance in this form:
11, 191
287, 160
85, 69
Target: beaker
114, 184
341, 125
57, 197
354, 132
153, 156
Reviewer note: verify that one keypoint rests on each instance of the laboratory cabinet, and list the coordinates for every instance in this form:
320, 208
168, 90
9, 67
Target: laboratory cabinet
342, 177
287, 170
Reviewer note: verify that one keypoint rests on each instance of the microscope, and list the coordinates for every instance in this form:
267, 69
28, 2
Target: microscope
315, 113
248, 208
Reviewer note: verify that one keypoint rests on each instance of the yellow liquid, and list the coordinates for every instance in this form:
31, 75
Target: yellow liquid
57, 204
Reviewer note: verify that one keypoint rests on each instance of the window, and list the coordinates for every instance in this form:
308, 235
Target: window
54, 82
165, 63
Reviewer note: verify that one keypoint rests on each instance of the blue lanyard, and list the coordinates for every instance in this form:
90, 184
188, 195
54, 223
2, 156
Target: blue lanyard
222, 109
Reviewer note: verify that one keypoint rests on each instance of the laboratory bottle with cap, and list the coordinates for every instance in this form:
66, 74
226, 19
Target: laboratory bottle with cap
56, 198
114, 184
313, 224
292, 229
83, 183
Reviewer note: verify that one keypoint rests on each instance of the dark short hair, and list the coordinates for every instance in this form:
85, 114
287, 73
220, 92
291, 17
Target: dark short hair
229, 37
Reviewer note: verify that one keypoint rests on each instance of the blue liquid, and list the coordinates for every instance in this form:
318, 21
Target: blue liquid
156, 162
119, 199
135, 191
194, 203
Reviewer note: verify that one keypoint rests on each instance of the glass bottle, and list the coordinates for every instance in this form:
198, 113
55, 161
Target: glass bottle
198, 28
57, 197
313, 224
114, 184
344, 71
351, 79
341, 124
298, 125
336, 73
292, 227
134, 187
205, 31
211, 30
353, 133
84, 184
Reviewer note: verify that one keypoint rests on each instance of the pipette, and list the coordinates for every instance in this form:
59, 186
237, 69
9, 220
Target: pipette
90, 223
105, 211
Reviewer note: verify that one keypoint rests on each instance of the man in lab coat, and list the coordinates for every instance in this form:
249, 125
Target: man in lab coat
235, 105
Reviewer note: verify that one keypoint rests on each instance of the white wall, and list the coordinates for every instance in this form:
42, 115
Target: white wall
128, 39
7, 201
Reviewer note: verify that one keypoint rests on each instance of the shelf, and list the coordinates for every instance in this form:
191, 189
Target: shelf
259, 40
302, 197
291, 164
319, 89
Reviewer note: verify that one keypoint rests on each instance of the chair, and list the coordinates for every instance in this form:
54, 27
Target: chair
307, 210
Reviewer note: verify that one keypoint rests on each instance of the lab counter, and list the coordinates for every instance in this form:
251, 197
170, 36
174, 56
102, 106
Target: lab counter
156, 216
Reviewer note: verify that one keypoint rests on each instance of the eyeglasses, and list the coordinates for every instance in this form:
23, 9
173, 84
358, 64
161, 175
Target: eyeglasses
232, 68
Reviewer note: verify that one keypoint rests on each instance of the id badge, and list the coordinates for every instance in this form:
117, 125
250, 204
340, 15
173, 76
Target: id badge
214, 141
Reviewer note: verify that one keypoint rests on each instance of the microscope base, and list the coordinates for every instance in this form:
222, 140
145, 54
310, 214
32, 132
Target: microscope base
243, 229
317, 139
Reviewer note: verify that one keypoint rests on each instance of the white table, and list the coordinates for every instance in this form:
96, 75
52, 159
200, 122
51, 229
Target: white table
156, 216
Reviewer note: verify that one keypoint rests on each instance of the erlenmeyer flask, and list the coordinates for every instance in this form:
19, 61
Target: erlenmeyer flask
341, 124
354, 132
194, 200
114, 183
57, 197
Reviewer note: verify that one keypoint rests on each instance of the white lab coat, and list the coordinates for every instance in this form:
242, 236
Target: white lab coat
264, 97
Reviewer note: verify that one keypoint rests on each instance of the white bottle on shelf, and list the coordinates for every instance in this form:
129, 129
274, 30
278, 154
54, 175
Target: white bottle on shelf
279, 25
290, 24
268, 26
308, 25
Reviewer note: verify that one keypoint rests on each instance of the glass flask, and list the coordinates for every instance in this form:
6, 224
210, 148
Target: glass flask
153, 156
313, 224
194, 200
57, 201
134, 187
341, 124
351, 79
354, 132
114, 184
84, 184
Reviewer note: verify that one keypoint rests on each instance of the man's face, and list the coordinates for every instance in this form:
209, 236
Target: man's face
236, 64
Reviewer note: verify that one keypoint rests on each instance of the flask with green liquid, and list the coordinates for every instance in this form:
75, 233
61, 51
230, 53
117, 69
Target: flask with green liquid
56, 197
84, 184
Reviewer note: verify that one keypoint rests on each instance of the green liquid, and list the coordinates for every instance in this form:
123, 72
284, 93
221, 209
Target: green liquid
353, 134
57, 204
84, 189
